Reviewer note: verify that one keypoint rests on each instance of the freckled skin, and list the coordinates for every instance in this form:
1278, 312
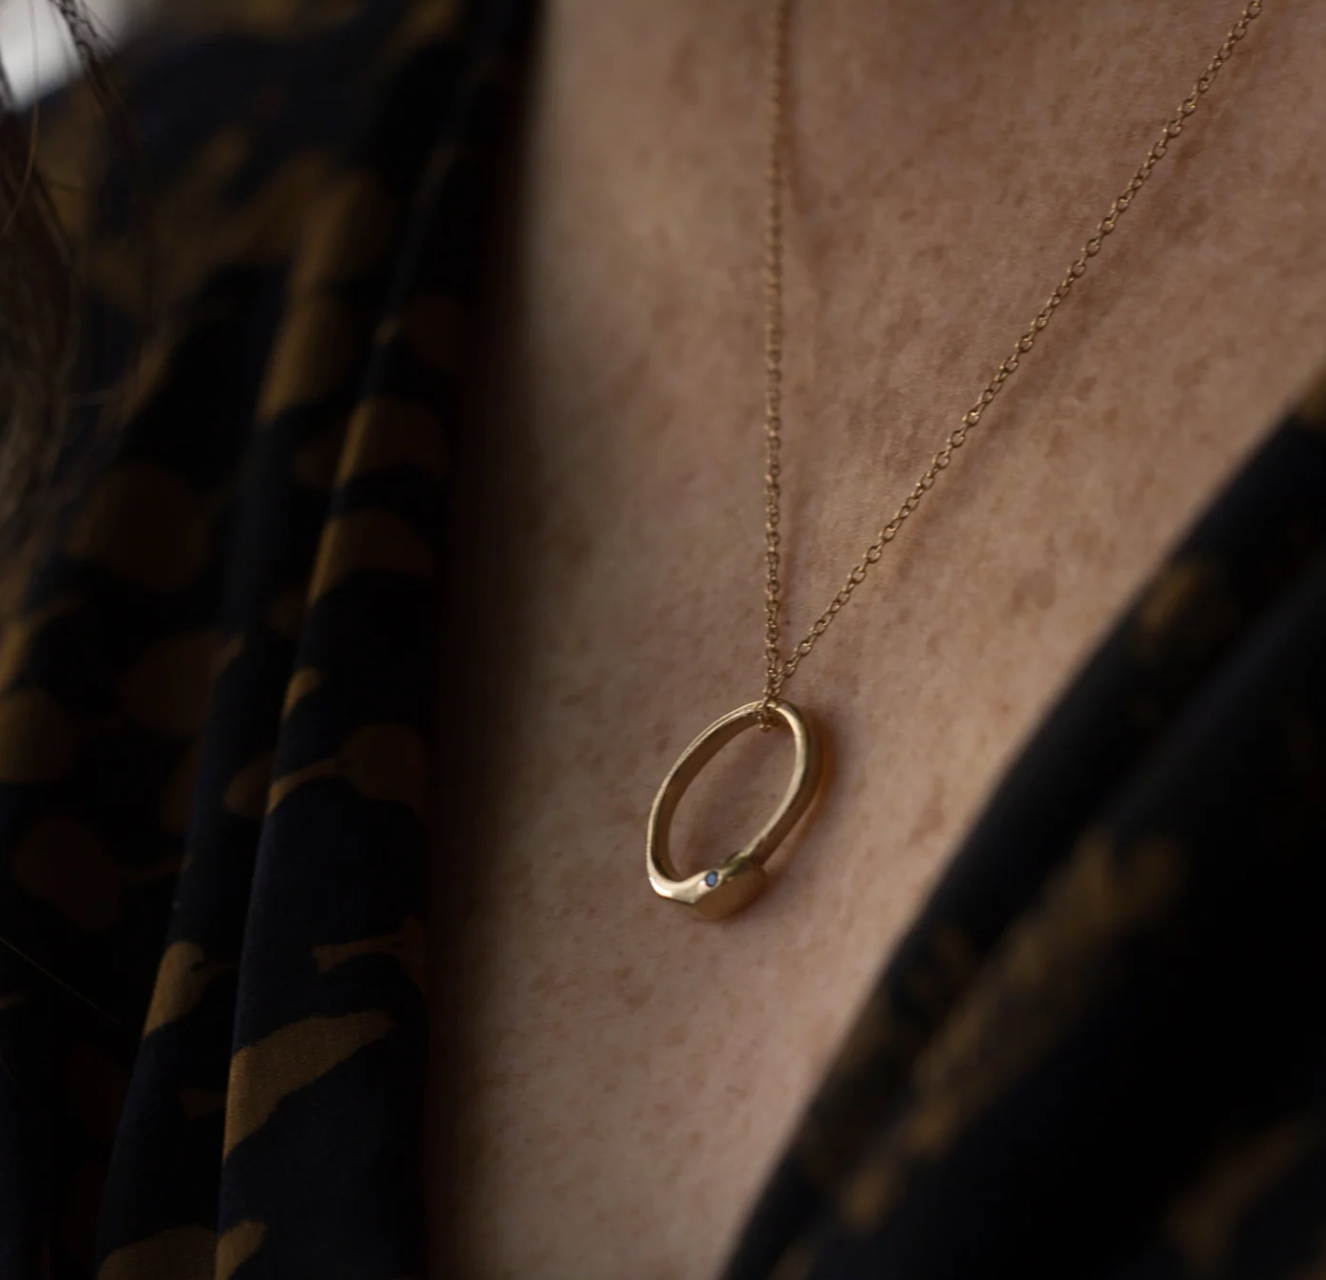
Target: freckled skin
611, 1081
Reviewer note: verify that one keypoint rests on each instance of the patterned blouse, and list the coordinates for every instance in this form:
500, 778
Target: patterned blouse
1093, 1054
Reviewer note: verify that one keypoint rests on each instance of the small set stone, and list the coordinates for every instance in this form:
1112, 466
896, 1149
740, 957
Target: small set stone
711, 879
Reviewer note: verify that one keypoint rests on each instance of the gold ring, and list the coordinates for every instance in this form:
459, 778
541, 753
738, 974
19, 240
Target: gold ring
724, 889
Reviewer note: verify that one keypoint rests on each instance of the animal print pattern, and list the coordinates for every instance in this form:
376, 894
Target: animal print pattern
1094, 1054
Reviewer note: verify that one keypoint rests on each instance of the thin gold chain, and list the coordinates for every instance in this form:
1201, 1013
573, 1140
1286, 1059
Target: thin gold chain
778, 670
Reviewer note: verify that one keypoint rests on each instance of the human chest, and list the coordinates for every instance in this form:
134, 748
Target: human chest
601, 1059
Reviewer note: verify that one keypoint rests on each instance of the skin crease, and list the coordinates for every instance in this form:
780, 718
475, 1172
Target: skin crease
611, 1081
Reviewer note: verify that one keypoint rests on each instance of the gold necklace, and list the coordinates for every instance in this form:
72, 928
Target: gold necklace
723, 889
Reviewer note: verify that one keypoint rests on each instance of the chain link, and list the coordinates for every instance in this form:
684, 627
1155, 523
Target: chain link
778, 670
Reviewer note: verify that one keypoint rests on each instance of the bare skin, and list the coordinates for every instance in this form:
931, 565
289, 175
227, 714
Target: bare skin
613, 1081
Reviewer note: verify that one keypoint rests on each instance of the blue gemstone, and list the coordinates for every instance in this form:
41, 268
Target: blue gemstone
711, 879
